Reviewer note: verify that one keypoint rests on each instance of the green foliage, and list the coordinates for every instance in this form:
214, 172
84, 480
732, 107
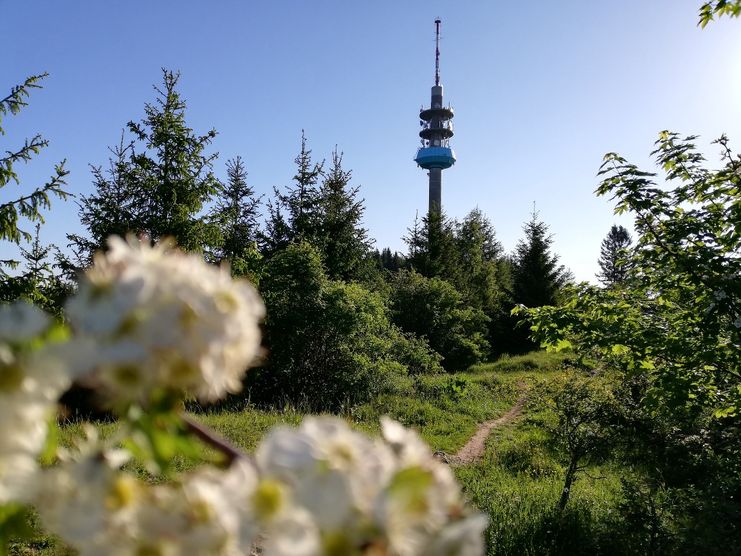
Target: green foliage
646, 510
445, 419
468, 255
38, 282
614, 259
455, 388
432, 249
709, 10
542, 361
14, 524
529, 455
235, 216
537, 279
173, 171
586, 411
331, 344
672, 332
479, 255
158, 189
321, 208
484, 277
28, 206
680, 322
115, 208
295, 214
520, 478
345, 245
432, 309
389, 261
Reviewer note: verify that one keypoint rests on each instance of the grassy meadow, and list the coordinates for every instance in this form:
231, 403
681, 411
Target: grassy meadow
517, 482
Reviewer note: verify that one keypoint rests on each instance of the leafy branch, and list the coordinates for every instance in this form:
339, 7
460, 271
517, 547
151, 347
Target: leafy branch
708, 11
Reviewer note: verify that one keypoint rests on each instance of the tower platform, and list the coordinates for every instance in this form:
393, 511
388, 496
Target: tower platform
435, 157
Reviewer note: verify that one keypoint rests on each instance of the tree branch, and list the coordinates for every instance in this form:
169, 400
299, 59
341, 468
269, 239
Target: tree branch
210, 438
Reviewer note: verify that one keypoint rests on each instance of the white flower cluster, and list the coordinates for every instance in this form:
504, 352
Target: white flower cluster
322, 489
149, 319
31, 381
343, 493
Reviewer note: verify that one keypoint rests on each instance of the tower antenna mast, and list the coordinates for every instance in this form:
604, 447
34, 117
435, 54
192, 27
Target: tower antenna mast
437, 51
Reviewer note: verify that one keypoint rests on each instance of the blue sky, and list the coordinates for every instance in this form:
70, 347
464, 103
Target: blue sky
541, 90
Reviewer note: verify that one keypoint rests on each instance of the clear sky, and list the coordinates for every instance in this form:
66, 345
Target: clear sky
541, 89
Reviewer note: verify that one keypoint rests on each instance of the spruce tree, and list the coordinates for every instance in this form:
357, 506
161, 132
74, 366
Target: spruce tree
388, 260
115, 207
345, 245
29, 204
432, 249
157, 184
484, 279
613, 261
235, 215
38, 282
294, 216
537, 277
416, 244
537, 280
173, 172
479, 254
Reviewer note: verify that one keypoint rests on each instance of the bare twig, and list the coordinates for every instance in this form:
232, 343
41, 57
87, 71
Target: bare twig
209, 437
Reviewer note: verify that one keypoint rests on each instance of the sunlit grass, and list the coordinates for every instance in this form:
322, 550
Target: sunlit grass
445, 409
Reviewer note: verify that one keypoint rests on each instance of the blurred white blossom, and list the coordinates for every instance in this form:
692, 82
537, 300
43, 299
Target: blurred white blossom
31, 380
298, 499
362, 493
153, 317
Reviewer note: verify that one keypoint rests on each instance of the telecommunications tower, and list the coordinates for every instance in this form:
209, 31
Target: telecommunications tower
435, 153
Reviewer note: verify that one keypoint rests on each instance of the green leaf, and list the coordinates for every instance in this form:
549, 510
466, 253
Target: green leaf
619, 349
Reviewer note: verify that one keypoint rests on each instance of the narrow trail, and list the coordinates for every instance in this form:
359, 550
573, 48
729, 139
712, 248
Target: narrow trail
474, 448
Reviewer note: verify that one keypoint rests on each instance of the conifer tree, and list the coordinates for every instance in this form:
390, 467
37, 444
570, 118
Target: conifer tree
173, 171
345, 244
537, 279
115, 207
479, 254
157, 184
416, 245
390, 261
537, 276
235, 215
28, 205
613, 261
484, 277
38, 282
432, 249
295, 215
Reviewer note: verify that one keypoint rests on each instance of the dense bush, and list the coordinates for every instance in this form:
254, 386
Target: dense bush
330, 344
432, 309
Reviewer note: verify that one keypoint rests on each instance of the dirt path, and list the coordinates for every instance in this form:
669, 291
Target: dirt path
474, 448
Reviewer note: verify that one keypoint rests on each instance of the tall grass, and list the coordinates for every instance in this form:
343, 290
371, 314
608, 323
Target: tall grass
517, 482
